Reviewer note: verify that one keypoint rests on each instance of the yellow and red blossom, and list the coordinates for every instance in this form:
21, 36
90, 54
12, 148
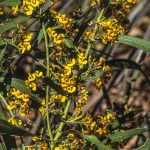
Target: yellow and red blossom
111, 30
62, 19
31, 81
57, 38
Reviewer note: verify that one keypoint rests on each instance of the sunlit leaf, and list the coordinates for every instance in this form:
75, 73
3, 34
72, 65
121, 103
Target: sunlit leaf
94, 140
69, 43
2, 52
10, 2
135, 42
40, 36
146, 146
2, 146
118, 136
12, 23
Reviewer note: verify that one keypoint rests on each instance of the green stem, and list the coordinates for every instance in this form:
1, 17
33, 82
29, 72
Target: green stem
6, 104
47, 87
62, 123
95, 30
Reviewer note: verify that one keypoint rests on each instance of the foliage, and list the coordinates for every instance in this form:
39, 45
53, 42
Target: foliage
57, 49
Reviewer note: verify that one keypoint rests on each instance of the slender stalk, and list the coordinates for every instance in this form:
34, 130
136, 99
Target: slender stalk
6, 104
62, 123
47, 87
95, 30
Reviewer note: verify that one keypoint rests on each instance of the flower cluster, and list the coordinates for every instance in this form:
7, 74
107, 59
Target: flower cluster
82, 98
94, 3
66, 53
98, 125
128, 4
33, 79
29, 6
62, 19
57, 38
82, 59
111, 30
102, 71
72, 141
23, 41
16, 121
38, 143
1, 11
75, 142
60, 147
68, 82
18, 100
59, 98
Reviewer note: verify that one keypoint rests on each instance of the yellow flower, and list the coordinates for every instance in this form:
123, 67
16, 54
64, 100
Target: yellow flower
23, 112
57, 97
102, 131
31, 77
43, 146
94, 3
23, 42
69, 66
62, 19
31, 85
31, 81
58, 39
112, 29
82, 60
15, 9
1, 11
29, 6
38, 73
68, 84
60, 147
28, 9
15, 121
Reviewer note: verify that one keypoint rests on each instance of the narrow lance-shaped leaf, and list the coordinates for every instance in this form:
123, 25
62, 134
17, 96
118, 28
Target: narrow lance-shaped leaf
146, 146
7, 128
2, 146
116, 137
94, 140
12, 23
9, 2
40, 36
135, 42
2, 52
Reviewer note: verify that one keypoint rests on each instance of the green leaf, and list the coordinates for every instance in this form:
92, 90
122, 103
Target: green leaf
94, 140
10, 2
115, 124
9, 42
2, 52
10, 129
40, 36
12, 23
135, 42
18, 84
116, 137
146, 146
3, 114
2, 146
69, 43
96, 74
